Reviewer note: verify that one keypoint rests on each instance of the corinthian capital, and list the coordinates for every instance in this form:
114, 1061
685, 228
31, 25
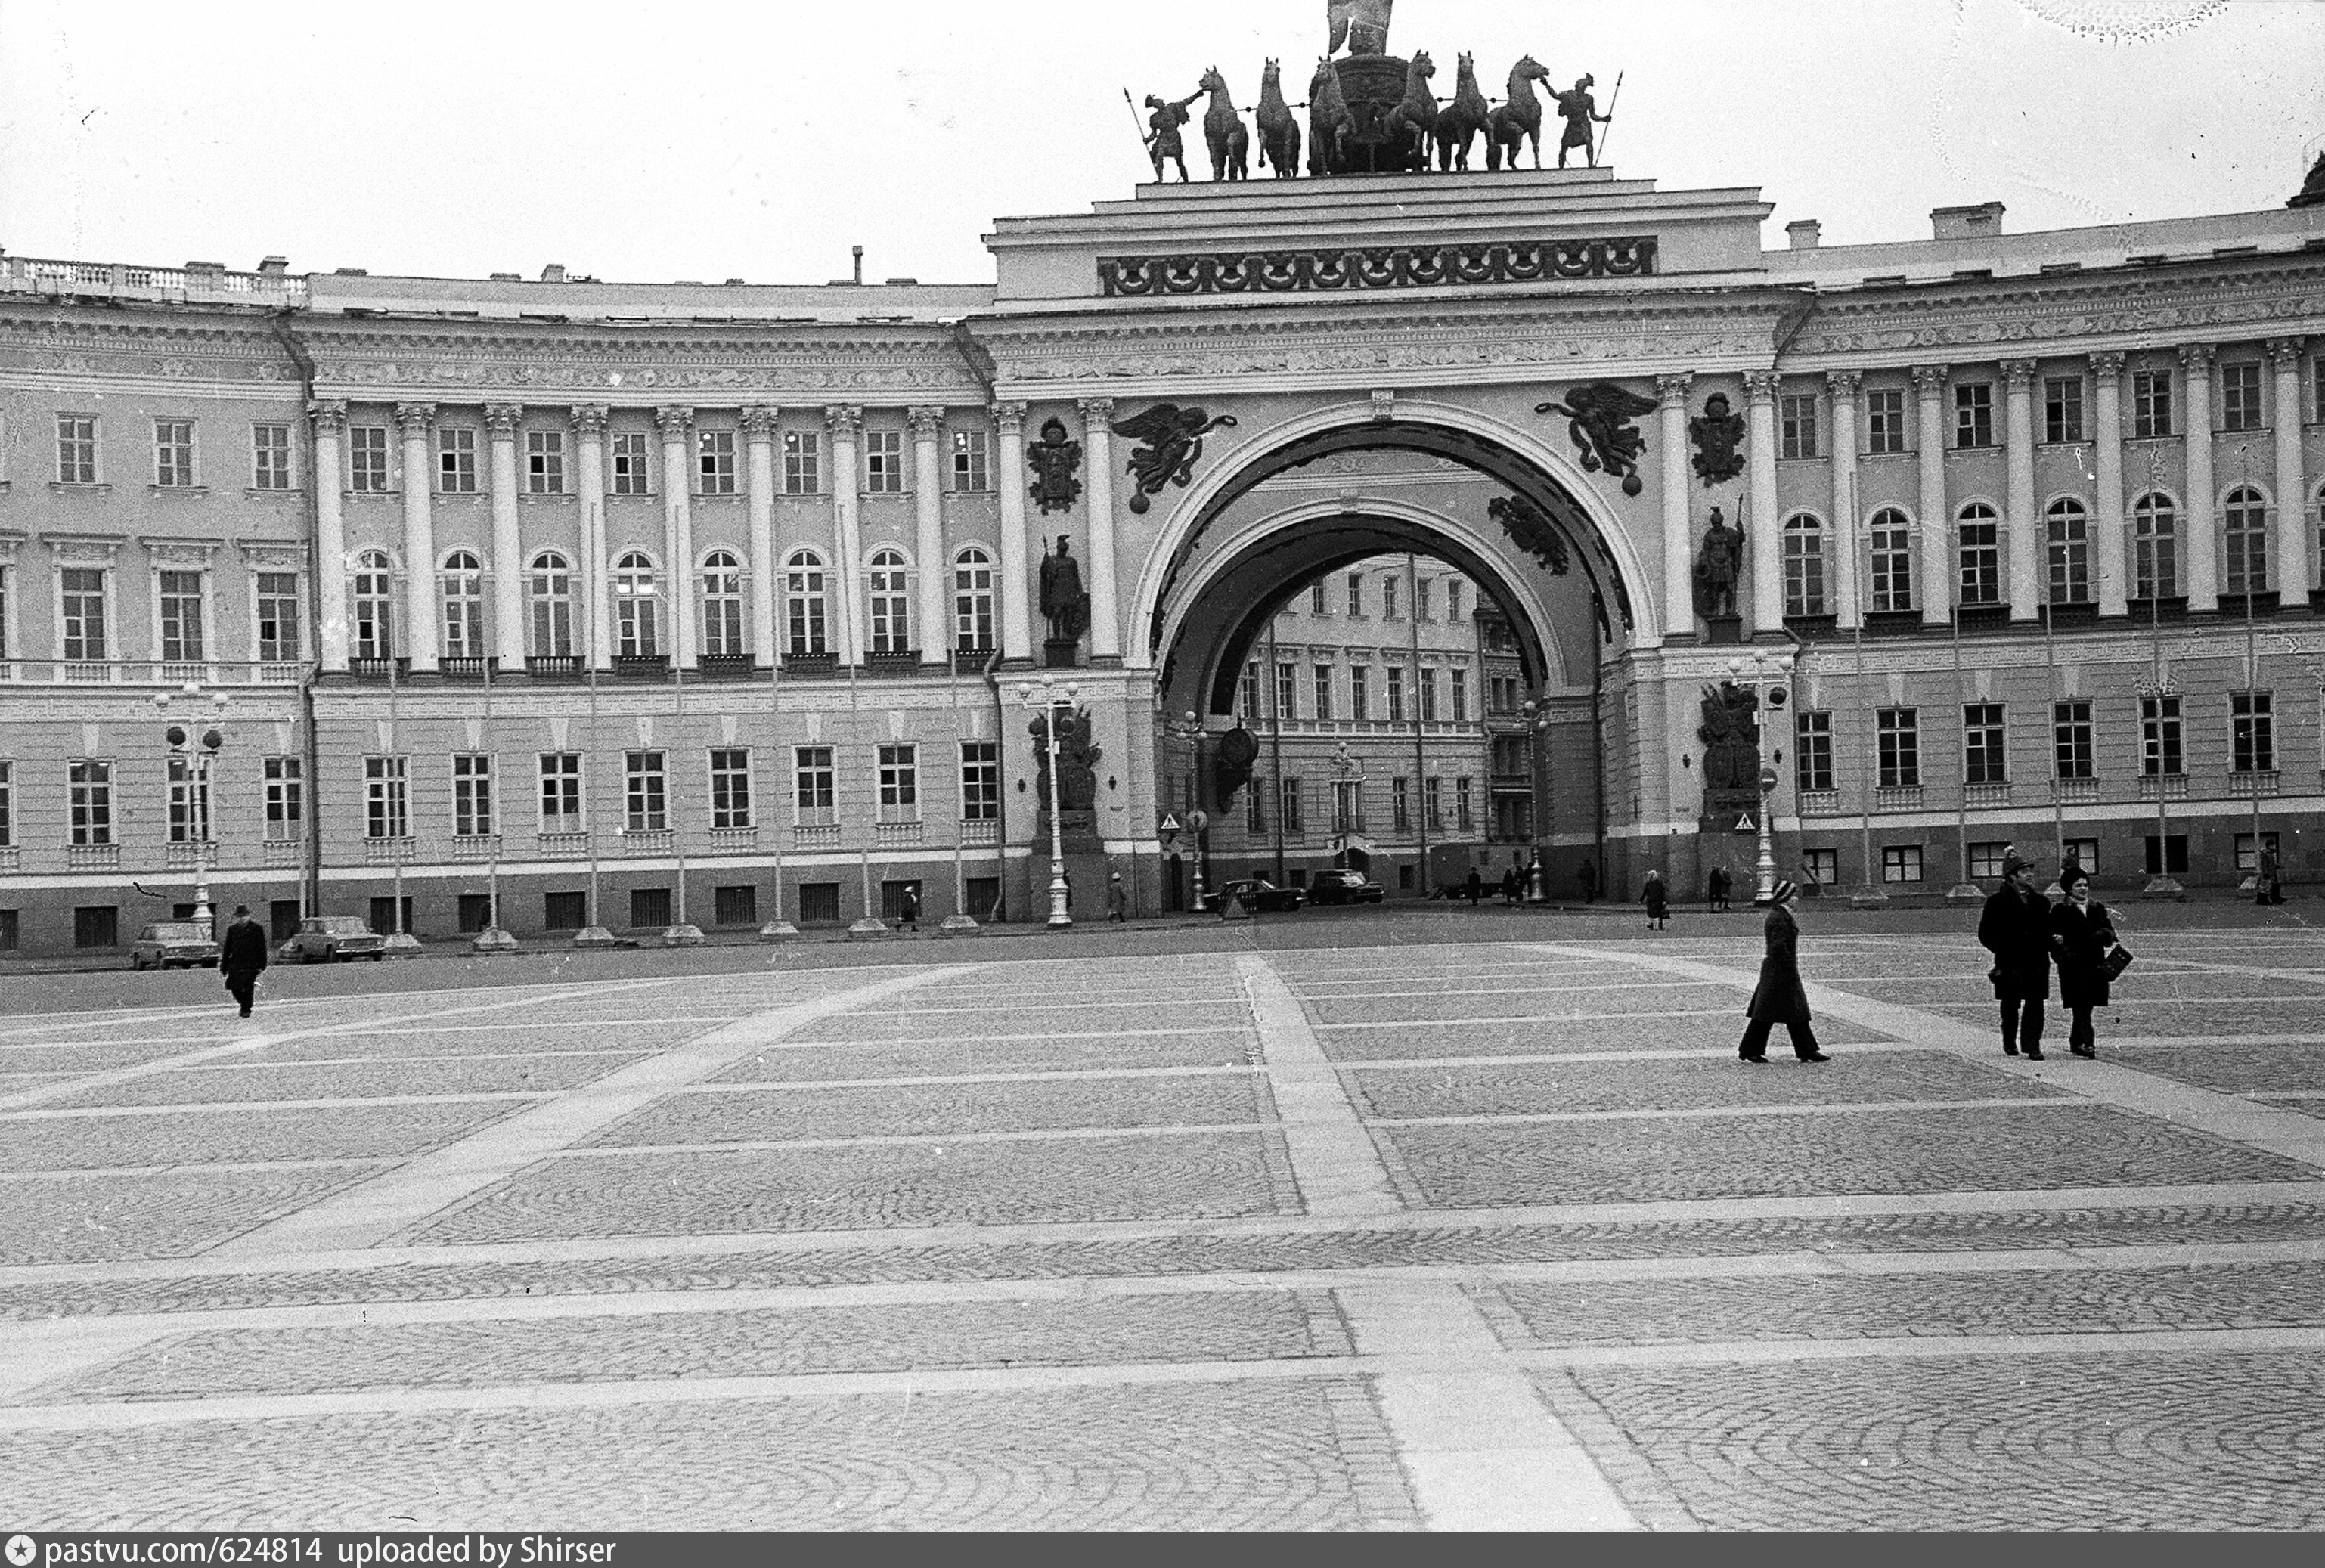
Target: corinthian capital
1929, 380
1760, 385
2107, 364
2019, 373
1009, 418
2284, 353
1098, 413
501, 419
926, 423
675, 420
2198, 358
1844, 385
759, 422
1673, 389
414, 418
330, 414
845, 421
589, 419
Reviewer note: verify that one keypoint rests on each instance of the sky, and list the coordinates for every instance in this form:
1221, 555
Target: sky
761, 140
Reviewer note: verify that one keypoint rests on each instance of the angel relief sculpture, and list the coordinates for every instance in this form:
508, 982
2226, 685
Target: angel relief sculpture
1172, 439
1601, 415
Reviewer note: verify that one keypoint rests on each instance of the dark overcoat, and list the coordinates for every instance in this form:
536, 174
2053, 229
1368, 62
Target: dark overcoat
2017, 930
1781, 999
2084, 937
1656, 898
244, 951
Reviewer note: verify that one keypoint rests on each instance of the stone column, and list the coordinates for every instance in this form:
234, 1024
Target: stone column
1097, 455
2293, 575
2110, 519
1766, 541
1016, 569
2201, 539
2028, 545
928, 543
1848, 556
759, 498
596, 629
676, 423
1678, 547
331, 419
846, 423
1937, 519
415, 420
501, 421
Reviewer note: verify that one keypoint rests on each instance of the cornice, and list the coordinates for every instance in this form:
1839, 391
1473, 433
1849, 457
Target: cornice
138, 347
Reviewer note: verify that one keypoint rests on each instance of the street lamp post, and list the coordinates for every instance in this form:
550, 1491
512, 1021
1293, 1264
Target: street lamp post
1537, 724
1770, 676
196, 754
1189, 728
1046, 699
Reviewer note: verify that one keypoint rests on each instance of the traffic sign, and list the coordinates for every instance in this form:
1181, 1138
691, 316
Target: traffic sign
1169, 823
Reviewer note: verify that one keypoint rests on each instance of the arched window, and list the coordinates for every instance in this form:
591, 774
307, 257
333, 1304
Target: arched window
972, 601
375, 591
2070, 552
2244, 530
637, 607
890, 584
464, 606
1804, 566
803, 611
722, 606
2155, 548
1892, 539
550, 589
1979, 554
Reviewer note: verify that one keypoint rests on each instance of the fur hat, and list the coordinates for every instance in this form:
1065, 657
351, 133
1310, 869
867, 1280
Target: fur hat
2011, 865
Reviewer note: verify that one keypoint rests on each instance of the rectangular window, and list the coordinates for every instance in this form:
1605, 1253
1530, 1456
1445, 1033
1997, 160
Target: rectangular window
738, 906
2070, 730
1901, 863
97, 926
75, 449
1974, 414
1813, 749
456, 460
270, 456
286, 798
1797, 427
278, 617
182, 642
1981, 560
1986, 860
1248, 693
1890, 541
1315, 598
2172, 861
560, 792
564, 910
646, 792
2062, 408
91, 801
2150, 403
544, 462
1292, 821
1400, 803
84, 637
649, 908
1323, 689
980, 781
2159, 737
1464, 812
2252, 731
1355, 593
1452, 599
631, 452
1885, 422
1287, 692
1899, 731
1255, 810
2083, 852
1823, 866
474, 913
367, 459
1347, 806
1460, 696
2245, 847
1388, 598
714, 453
389, 915
1360, 705
730, 789
7, 805
802, 463
814, 793
387, 806
900, 783
2240, 397
472, 795
972, 468
1421, 599
9, 934
1397, 693
174, 452
1432, 801
884, 462
1425, 681
1983, 760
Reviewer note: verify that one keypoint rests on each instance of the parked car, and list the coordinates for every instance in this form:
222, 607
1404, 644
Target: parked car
334, 938
1343, 888
174, 944
1257, 893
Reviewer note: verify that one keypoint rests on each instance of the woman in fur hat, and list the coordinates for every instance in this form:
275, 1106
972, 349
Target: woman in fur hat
2084, 931
1781, 999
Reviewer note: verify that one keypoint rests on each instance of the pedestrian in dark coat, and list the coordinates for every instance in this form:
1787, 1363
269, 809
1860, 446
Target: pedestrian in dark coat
2083, 931
1657, 898
1117, 899
1588, 877
1781, 999
1715, 888
909, 909
2267, 885
242, 957
1475, 886
2015, 928
1510, 885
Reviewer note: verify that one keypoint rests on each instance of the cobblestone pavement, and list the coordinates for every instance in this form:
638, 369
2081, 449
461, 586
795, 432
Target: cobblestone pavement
1486, 1229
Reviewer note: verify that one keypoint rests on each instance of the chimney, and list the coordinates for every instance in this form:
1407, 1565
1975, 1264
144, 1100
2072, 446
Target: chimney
554, 273
1804, 233
274, 266
509, 277
860, 262
1983, 221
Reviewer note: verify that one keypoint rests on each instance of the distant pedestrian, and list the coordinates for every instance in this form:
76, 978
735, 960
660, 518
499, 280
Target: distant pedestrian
2084, 931
242, 957
1475, 886
1717, 886
1510, 885
1588, 879
908, 909
2266, 889
1117, 899
2015, 928
1781, 999
1657, 898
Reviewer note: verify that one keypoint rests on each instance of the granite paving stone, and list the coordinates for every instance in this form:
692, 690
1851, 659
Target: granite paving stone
1227, 1047
1581, 1086
200, 1137
1714, 1034
2255, 1070
85, 1219
245, 1083
1623, 999
976, 1023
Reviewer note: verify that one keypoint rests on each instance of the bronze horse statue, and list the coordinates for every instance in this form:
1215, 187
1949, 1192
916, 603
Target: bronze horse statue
1328, 120
1410, 124
1519, 119
1224, 132
1460, 122
1279, 127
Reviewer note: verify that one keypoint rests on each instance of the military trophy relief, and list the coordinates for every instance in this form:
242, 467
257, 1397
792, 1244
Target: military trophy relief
1730, 734
1055, 459
1079, 755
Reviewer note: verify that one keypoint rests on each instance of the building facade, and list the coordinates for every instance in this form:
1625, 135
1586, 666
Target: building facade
643, 604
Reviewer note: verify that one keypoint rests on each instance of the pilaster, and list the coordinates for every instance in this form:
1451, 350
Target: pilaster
1764, 537
413, 421
927, 425
1679, 552
329, 418
1097, 448
1016, 618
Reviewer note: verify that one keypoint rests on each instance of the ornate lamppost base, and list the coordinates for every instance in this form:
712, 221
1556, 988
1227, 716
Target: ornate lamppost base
869, 926
959, 925
494, 939
779, 931
403, 944
681, 936
2164, 890
595, 936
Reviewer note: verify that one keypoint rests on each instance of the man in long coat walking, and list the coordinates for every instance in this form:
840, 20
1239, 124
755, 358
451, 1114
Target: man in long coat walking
2015, 928
1781, 997
242, 957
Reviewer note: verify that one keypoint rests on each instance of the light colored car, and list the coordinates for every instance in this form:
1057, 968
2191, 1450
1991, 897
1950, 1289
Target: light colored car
334, 938
1338, 887
174, 944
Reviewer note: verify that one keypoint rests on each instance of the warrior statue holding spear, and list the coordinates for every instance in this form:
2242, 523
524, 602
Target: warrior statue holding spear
1163, 145
1578, 109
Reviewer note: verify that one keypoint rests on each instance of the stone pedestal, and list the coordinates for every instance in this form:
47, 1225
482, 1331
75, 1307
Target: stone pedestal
1724, 631
403, 944
1058, 652
869, 927
493, 940
959, 925
595, 936
681, 936
779, 931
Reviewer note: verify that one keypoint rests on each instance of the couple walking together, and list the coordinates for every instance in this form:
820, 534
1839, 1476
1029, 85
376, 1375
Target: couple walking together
2026, 935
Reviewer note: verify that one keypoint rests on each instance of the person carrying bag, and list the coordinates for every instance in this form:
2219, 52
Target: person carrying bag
2082, 935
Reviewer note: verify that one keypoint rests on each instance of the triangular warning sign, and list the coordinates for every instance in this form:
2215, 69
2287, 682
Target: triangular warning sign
1745, 824
1170, 824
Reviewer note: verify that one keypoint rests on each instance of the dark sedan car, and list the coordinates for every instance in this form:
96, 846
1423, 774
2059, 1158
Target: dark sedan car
1343, 888
1257, 893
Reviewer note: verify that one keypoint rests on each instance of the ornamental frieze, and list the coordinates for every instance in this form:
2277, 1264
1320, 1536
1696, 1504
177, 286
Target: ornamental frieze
1398, 267
1902, 325
1258, 359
